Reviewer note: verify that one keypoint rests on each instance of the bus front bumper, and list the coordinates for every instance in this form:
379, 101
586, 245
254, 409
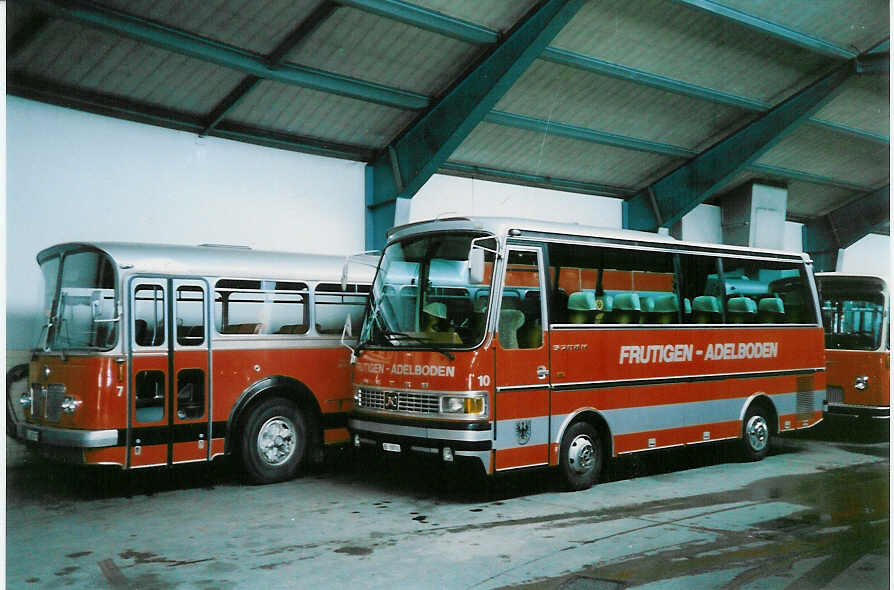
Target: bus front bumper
855, 411
460, 440
66, 437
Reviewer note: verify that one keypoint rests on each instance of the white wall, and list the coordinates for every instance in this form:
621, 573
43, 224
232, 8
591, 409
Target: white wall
451, 195
76, 176
870, 255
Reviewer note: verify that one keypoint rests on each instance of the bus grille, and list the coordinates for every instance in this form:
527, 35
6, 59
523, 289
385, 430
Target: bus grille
399, 401
834, 395
46, 402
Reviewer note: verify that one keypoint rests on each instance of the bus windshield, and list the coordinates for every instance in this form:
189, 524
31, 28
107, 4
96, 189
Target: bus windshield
80, 302
853, 315
449, 312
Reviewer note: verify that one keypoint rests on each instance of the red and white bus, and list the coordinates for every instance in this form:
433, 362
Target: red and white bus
858, 359
157, 355
524, 344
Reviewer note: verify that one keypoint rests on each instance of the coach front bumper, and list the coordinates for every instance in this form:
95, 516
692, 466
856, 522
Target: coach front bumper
444, 439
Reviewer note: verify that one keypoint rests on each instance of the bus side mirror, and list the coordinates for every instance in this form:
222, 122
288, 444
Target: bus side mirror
476, 265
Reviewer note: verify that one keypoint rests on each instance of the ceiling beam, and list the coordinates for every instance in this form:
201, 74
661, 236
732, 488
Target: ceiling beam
874, 63
121, 108
184, 43
273, 59
426, 19
784, 33
524, 179
825, 236
401, 170
685, 188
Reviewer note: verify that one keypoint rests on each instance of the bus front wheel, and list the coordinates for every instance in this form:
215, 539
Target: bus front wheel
580, 456
756, 433
274, 441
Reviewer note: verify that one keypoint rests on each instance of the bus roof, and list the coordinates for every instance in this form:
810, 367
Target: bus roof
501, 226
853, 277
224, 261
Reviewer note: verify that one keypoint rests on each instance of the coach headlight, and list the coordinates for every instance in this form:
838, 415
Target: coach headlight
467, 405
860, 383
70, 404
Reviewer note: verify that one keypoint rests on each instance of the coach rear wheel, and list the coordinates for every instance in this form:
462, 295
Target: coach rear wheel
274, 441
580, 456
756, 433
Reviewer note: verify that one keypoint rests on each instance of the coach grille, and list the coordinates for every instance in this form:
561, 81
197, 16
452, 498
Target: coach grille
53, 402
834, 395
399, 401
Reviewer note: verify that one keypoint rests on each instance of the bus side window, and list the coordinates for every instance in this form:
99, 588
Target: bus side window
150, 396
149, 315
190, 312
701, 289
520, 323
332, 306
260, 307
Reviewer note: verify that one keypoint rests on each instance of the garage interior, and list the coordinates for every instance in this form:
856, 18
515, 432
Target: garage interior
317, 125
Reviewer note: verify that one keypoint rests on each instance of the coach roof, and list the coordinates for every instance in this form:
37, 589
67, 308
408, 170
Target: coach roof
225, 261
501, 226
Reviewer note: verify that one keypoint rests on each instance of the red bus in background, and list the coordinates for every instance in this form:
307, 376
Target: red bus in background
522, 344
858, 358
157, 355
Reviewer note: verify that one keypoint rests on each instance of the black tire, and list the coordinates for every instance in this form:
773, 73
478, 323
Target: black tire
756, 433
273, 441
580, 457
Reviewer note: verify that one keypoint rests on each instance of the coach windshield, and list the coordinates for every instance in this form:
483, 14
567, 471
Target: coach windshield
80, 301
449, 312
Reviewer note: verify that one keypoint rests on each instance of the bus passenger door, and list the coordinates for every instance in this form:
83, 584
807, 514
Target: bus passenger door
190, 421
147, 441
521, 408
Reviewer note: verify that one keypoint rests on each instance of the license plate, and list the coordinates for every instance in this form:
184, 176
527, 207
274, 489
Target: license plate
32, 435
391, 447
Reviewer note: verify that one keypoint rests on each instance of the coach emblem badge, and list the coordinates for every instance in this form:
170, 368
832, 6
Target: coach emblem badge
523, 431
391, 401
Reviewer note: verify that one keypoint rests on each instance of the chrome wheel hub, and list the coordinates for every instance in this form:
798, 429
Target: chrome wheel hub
757, 432
581, 454
276, 441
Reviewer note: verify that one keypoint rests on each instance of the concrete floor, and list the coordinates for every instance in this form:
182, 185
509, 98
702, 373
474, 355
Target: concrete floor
815, 514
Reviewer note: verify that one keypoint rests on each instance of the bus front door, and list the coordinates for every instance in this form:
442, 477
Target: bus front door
169, 366
521, 408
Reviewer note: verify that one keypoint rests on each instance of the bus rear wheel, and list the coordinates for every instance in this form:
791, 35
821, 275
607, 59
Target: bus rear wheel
580, 456
756, 433
274, 441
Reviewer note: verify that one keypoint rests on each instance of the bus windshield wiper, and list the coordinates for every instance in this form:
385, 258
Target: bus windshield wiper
403, 335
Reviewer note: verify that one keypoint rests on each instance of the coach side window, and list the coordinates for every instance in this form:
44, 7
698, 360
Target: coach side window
332, 306
611, 285
767, 292
701, 289
260, 307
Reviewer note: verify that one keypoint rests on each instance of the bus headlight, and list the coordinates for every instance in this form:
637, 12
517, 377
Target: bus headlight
25, 399
70, 404
861, 382
463, 405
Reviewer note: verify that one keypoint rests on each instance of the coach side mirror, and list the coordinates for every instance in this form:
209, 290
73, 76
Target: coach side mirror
476, 265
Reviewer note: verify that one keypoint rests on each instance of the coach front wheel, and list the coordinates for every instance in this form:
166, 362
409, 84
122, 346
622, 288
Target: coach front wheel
274, 441
756, 433
580, 456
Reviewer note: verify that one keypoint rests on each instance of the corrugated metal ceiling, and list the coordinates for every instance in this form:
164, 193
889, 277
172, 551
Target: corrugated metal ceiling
626, 92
